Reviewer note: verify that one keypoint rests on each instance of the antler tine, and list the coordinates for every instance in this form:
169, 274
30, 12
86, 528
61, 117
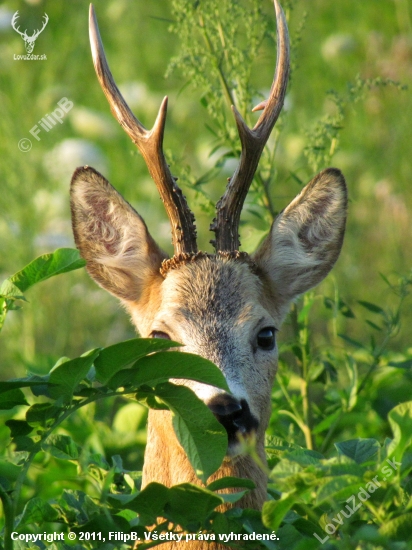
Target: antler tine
150, 144
13, 23
229, 207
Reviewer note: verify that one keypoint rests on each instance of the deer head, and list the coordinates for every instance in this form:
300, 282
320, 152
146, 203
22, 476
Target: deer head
225, 306
29, 41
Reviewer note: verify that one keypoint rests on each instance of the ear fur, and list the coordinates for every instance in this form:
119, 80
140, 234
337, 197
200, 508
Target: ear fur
121, 255
306, 238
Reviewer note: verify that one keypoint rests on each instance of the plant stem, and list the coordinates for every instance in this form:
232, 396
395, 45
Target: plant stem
222, 77
9, 518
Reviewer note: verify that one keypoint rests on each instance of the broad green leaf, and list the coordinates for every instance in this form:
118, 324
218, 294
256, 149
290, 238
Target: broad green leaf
286, 468
60, 261
230, 482
28, 382
66, 377
37, 511
10, 291
360, 450
338, 488
399, 528
119, 356
23, 443
400, 420
18, 427
61, 446
40, 413
164, 365
274, 511
150, 502
304, 457
12, 398
189, 505
203, 438
186, 504
9, 470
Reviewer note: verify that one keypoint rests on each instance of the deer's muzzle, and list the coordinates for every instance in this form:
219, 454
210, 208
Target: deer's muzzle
234, 415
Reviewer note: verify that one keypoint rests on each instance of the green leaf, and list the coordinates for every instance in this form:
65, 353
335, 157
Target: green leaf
401, 364
360, 450
274, 511
400, 420
338, 488
373, 325
351, 341
60, 261
9, 291
12, 398
372, 307
118, 356
399, 528
203, 438
23, 443
28, 382
190, 505
162, 366
230, 482
9, 470
61, 446
40, 413
37, 511
150, 502
327, 422
65, 378
18, 427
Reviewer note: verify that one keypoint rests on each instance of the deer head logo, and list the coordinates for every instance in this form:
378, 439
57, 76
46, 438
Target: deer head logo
29, 41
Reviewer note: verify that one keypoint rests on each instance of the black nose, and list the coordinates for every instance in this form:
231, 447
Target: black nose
233, 414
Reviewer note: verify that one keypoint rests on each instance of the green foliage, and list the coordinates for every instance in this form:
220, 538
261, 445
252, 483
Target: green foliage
44, 267
72, 439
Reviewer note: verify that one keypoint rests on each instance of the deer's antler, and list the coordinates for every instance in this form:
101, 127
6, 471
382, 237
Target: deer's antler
150, 144
229, 207
17, 29
36, 33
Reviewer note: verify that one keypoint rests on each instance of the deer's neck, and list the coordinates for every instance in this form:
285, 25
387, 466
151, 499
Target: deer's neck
166, 462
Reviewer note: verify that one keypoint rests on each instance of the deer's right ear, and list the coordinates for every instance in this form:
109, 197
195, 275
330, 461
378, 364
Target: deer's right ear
121, 255
306, 238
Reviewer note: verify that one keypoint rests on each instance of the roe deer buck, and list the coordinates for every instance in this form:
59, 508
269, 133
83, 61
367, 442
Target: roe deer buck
225, 307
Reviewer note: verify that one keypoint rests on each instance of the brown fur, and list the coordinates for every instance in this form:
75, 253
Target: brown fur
214, 304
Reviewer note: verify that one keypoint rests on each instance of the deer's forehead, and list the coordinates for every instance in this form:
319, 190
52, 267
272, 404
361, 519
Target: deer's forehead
222, 289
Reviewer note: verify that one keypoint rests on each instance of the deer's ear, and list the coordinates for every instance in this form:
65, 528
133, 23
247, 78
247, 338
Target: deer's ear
121, 255
306, 238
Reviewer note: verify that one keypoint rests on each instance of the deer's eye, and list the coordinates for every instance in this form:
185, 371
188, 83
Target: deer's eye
159, 334
266, 338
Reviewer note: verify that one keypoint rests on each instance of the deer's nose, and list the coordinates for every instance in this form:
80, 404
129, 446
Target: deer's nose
233, 414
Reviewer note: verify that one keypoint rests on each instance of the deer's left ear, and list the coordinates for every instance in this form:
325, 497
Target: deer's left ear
306, 238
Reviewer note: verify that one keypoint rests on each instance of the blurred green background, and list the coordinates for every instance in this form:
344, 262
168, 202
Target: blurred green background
333, 44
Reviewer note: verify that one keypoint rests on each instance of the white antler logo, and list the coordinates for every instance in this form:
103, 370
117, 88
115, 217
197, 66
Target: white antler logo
29, 41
